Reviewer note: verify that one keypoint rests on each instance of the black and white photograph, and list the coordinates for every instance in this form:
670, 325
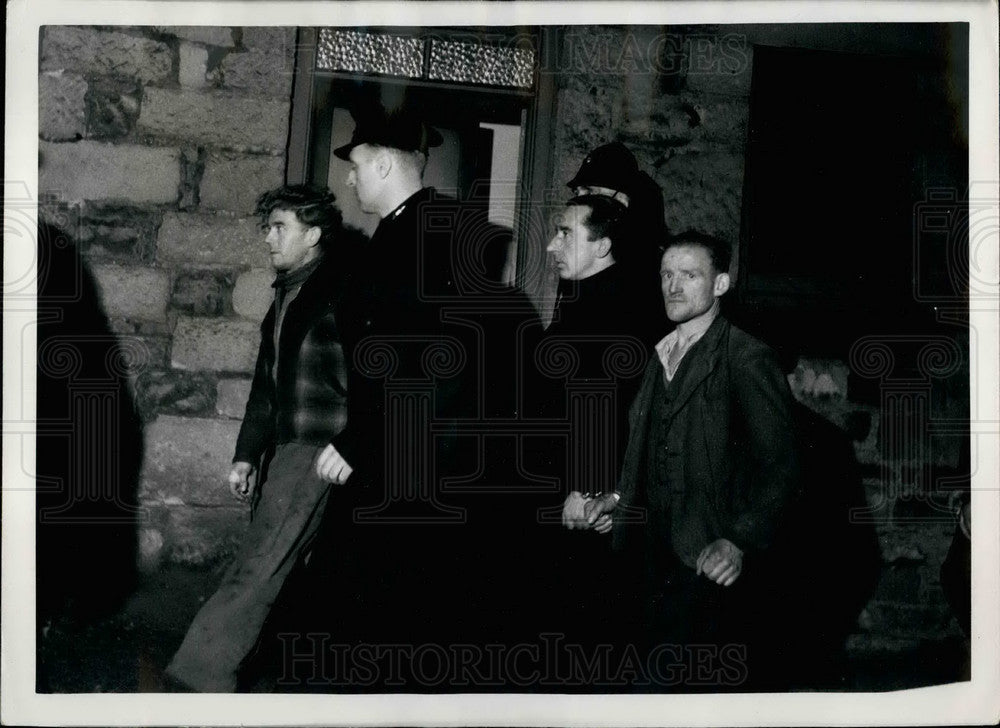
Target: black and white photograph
517, 363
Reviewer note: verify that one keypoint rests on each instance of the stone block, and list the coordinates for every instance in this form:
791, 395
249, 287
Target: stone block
187, 460
195, 239
136, 355
193, 65
156, 348
719, 64
823, 378
118, 233
231, 397
587, 120
216, 119
150, 549
703, 191
206, 34
142, 328
910, 620
235, 184
203, 293
275, 39
93, 171
259, 73
61, 106
253, 294
169, 391
595, 55
133, 292
192, 168
105, 53
221, 345
679, 119
112, 108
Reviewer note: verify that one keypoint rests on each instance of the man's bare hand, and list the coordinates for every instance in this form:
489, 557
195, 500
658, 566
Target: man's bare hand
239, 480
573, 515
598, 511
331, 466
721, 561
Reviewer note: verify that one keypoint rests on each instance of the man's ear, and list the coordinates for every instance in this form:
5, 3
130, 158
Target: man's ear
313, 235
603, 246
722, 283
383, 163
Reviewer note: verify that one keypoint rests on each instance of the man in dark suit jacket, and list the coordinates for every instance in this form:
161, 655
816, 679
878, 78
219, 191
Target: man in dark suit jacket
709, 472
297, 403
587, 366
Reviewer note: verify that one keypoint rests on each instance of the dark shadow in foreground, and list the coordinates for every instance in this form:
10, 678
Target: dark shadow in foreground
89, 450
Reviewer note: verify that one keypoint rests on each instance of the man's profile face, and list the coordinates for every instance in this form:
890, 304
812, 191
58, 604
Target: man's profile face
363, 177
689, 282
576, 256
291, 243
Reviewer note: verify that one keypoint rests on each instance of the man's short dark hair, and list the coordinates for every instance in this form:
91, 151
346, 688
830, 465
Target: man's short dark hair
606, 219
313, 206
720, 253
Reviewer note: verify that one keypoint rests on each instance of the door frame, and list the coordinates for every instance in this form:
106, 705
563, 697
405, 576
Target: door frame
310, 97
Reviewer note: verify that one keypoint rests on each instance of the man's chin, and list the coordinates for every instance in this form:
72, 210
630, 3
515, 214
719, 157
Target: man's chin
675, 313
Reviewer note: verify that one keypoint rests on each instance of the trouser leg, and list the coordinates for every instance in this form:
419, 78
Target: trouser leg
284, 523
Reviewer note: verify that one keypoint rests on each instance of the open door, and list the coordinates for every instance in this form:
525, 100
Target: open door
480, 89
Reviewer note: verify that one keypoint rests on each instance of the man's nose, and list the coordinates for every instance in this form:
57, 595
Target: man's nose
673, 285
350, 178
553, 245
269, 237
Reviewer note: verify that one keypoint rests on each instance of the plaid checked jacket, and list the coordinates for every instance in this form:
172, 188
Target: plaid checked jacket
304, 399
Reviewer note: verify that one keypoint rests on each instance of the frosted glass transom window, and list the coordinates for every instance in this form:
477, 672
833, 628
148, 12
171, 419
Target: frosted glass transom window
478, 63
433, 59
360, 52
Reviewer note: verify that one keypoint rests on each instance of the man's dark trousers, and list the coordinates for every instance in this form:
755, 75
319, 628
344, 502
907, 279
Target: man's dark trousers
282, 527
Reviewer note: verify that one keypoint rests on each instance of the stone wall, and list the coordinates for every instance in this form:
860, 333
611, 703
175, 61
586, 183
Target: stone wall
154, 144
679, 99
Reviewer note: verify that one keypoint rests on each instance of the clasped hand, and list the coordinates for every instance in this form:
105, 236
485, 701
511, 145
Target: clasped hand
721, 561
585, 512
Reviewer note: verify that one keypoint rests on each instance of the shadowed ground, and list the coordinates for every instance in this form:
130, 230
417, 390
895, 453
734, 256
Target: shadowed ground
127, 650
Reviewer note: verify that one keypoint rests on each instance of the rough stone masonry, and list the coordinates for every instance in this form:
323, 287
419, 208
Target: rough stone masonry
154, 144
155, 141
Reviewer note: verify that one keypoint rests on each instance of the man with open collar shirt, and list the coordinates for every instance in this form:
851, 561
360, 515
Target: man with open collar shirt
297, 403
709, 474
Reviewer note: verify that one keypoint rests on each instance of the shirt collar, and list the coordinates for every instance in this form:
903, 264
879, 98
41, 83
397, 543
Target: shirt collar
696, 329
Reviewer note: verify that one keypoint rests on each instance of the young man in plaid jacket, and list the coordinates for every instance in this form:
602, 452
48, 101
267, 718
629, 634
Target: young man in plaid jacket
298, 402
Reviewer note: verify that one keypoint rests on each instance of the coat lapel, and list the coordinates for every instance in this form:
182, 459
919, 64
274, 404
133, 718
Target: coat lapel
638, 429
697, 364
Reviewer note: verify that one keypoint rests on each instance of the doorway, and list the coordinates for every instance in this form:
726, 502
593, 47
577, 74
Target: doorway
484, 96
